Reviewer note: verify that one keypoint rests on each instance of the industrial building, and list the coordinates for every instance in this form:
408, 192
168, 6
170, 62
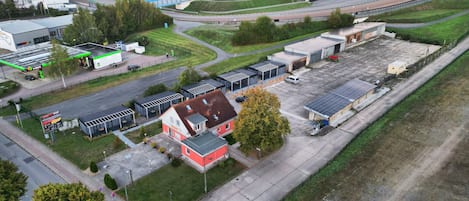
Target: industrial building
268, 69
106, 121
333, 106
238, 79
201, 88
292, 61
36, 56
316, 49
357, 33
157, 104
55, 25
101, 56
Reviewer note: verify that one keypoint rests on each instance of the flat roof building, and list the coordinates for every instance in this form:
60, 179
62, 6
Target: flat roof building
292, 61
201, 88
15, 34
358, 32
238, 79
101, 56
157, 104
317, 48
106, 121
55, 25
268, 69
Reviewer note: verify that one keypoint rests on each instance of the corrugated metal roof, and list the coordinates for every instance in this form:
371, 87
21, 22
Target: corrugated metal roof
311, 45
328, 104
203, 86
51, 22
20, 26
353, 89
204, 143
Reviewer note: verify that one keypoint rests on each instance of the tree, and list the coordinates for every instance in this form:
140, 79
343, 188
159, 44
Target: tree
12, 182
60, 62
338, 20
66, 192
83, 29
260, 124
93, 167
155, 89
189, 76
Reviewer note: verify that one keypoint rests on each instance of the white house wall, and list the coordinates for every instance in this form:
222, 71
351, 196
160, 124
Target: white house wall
6, 41
171, 119
108, 60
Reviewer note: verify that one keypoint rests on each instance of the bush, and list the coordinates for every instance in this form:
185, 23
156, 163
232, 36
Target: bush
222, 164
162, 149
176, 162
154, 145
110, 182
93, 167
155, 89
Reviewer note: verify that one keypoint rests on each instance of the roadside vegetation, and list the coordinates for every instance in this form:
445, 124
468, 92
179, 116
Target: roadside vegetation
427, 12
238, 62
203, 5
8, 87
394, 140
181, 183
276, 8
442, 33
161, 40
72, 144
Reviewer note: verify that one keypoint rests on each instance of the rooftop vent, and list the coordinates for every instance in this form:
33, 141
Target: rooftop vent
215, 117
188, 107
204, 101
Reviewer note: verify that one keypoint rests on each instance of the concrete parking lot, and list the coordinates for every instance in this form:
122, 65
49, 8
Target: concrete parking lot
367, 62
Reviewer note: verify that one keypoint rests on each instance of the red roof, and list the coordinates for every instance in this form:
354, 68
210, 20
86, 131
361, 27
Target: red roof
214, 106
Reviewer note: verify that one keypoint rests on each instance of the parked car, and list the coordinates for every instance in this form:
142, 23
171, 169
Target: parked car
30, 77
292, 79
133, 67
240, 99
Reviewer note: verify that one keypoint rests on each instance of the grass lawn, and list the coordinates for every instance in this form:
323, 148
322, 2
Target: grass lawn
184, 182
407, 113
449, 31
221, 38
274, 9
419, 16
231, 5
238, 62
72, 145
150, 130
8, 87
162, 40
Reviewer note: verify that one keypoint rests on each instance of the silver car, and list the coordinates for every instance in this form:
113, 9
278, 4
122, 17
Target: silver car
292, 79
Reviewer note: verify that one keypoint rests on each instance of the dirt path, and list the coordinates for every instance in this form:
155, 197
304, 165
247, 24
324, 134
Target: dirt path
433, 161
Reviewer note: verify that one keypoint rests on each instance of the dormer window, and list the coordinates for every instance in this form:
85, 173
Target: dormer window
204, 101
215, 117
188, 107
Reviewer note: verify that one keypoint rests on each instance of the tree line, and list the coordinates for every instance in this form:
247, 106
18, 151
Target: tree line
264, 29
114, 22
8, 10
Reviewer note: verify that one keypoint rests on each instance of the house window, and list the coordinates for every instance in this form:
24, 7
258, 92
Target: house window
188, 152
197, 127
227, 126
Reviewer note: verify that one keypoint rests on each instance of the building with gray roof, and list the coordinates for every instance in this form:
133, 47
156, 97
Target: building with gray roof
106, 121
201, 88
55, 25
157, 104
21, 33
238, 79
268, 69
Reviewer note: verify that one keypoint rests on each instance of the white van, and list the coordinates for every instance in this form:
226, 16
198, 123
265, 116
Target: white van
292, 79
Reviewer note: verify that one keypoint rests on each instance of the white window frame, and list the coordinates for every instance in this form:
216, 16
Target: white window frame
227, 126
188, 152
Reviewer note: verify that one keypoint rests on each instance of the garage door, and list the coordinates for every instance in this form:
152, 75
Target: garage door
315, 57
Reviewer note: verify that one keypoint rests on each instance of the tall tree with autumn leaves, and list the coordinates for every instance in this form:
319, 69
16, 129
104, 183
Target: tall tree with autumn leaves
259, 123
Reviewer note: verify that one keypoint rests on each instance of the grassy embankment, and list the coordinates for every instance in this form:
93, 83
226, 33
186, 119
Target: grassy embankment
231, 5
427, 12
72, 145
8, 87
161, 41
184, 183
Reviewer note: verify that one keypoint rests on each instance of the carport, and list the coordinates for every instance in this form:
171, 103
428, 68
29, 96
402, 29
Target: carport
268, 69
106, 121
328, 107
201, 88
355, 91
238, 79
292, 61
155, 105
317, 48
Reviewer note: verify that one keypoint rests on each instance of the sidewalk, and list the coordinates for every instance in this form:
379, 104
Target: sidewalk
69, 172
301, 156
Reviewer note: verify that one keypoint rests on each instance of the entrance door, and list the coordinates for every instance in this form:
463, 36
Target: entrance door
336, 48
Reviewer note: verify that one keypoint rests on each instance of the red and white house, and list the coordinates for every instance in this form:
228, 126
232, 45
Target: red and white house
198, 124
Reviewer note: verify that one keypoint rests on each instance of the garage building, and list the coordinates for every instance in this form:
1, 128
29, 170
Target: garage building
238, 79
16, 34
155, 105
201, 88
268, 69
101, 56
355, 91
317, 48
106, 121
55, 25
292, 61
357, 33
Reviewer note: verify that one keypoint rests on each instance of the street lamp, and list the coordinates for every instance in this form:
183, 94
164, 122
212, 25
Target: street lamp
205, 177
104, 153
170, 195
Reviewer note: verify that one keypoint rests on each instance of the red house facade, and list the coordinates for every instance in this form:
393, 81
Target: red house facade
198, 124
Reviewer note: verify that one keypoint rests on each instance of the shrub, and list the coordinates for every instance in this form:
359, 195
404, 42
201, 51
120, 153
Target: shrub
93, 167
110, 182
155, 89
162, 149
153, 145
145, 140
176, 162
222, 164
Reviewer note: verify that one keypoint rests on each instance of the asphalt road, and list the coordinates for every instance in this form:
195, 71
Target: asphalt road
111, 97
37, 173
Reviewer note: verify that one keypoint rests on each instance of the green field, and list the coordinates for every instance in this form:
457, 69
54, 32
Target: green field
184, 182
371, 159
418, 16
72, 145
441, 33
273, 9
227, 5
238, 62
8, 87
221, 38
188, 53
